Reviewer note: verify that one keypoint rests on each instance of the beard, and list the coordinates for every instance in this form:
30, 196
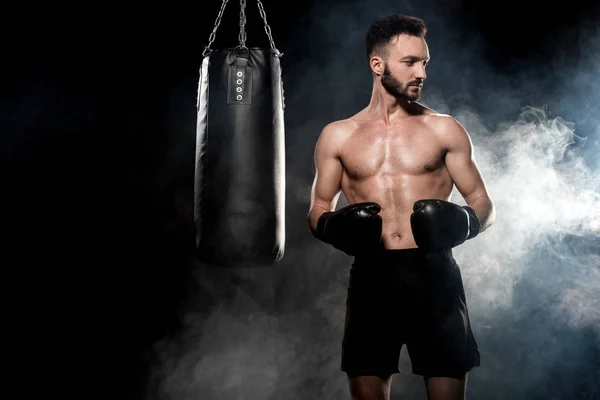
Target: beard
398, 89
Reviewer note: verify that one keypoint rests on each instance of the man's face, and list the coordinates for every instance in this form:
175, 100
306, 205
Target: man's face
404, 70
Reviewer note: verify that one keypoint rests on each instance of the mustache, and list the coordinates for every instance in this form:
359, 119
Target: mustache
419, 82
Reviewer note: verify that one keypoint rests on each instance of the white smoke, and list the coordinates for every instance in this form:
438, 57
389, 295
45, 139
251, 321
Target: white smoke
543, 191
240, 358
256, 343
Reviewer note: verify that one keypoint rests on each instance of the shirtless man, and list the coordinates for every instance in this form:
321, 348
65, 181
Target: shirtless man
396, 162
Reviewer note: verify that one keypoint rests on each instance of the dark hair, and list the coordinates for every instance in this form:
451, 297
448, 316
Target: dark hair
384, 29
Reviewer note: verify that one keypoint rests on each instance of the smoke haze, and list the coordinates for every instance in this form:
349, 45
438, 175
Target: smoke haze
531, 280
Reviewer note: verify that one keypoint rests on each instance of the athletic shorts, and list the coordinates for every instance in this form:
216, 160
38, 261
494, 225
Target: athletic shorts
407, 296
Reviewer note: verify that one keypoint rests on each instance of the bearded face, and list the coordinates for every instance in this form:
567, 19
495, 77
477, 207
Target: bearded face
410, 91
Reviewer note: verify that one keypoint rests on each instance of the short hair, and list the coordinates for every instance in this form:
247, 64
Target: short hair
384, 29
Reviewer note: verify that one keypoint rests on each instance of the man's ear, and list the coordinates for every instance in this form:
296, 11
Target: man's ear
377, 65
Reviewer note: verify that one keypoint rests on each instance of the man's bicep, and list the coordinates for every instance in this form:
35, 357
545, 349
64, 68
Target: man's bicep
461, 165
328, 172
327, 185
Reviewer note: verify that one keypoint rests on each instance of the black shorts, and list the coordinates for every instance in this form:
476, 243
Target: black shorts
398, 297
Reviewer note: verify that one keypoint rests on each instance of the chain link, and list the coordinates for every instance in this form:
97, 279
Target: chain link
242, 35
213, 34
263, 14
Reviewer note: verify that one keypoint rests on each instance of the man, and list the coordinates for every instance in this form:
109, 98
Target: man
396, 162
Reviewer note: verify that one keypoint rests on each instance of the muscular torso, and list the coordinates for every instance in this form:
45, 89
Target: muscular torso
394, 165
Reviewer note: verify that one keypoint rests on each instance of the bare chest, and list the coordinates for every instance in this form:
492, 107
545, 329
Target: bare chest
406, 150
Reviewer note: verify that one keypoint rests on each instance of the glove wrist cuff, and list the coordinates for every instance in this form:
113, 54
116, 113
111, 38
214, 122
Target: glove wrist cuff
474, 224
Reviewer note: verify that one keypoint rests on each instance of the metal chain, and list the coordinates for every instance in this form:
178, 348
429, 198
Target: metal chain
213, 34
263, 14
242, 35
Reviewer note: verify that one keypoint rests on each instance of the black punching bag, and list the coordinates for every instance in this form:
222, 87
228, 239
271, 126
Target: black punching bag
239, 191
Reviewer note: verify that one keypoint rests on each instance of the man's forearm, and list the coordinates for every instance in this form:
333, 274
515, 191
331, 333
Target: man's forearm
485, 210
313, 217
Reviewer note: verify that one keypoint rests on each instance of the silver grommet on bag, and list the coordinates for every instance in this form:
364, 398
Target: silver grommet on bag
238, 89
239, 97
239, 74
239, 82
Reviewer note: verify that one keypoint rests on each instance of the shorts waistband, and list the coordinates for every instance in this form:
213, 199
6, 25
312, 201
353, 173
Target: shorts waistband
406, 256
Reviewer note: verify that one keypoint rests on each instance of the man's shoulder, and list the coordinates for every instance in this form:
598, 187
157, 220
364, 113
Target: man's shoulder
333, 135
447, 128
339, 127
442, 121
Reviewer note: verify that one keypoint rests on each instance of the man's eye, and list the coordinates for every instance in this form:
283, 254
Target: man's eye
409, 63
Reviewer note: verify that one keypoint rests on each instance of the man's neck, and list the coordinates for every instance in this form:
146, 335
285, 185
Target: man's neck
388, 107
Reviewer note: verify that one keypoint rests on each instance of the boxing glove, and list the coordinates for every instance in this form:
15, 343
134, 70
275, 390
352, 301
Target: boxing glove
438, 224
353, 229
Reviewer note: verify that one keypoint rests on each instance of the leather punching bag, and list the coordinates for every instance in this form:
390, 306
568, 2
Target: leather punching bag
239, 191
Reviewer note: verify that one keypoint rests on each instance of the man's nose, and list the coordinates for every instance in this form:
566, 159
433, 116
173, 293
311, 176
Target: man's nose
420, 72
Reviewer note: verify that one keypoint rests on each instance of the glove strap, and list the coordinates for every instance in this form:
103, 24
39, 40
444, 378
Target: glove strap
474, 224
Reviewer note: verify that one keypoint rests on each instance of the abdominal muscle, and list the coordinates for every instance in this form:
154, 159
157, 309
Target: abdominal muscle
396, 195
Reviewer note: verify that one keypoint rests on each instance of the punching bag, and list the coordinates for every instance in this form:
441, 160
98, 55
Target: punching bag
239, 190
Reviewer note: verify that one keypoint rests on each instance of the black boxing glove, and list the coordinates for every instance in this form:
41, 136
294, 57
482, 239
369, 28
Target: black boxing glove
438, 224
353, 229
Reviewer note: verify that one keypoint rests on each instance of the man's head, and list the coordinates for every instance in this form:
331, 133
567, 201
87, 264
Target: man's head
398, 54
